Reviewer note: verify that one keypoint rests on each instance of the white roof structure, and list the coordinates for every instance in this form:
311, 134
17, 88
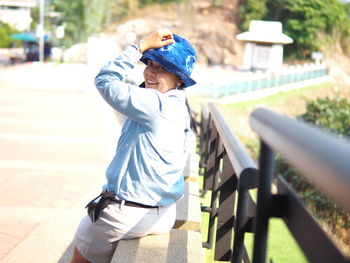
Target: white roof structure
265, 32
17, 13
23, 3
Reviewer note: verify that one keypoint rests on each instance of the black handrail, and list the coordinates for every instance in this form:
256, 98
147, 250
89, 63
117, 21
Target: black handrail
230, 171
321, 156
243, 164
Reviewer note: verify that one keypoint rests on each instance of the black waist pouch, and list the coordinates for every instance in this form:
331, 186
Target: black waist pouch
96, 205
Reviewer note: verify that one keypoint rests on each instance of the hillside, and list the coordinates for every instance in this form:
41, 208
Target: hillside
210, 29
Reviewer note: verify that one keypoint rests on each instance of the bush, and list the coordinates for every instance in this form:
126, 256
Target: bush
331, 114
334, 115
5, 35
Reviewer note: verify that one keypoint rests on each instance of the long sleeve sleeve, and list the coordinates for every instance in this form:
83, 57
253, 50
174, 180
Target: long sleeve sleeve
137, 103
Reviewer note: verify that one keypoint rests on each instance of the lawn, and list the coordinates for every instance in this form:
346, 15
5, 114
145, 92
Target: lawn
281, 245
290, 103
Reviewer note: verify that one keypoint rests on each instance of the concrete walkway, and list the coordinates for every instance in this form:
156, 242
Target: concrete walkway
56, 139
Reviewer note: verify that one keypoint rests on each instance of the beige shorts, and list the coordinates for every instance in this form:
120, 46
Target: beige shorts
96, 241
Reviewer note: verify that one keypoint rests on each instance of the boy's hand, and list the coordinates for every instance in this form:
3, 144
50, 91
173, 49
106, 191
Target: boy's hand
157, 39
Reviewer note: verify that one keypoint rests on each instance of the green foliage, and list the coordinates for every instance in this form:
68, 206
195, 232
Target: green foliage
94, 16
217, 3
303, 20
81, 17
34, 14
5, 35
252, 10
84, 18
333, 115
116, 10
307, 19
74, 18
144, 3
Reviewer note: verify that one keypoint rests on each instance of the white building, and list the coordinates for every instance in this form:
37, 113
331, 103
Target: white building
263, 48
17, 13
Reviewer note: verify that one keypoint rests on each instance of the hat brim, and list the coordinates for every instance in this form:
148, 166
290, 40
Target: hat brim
151, 54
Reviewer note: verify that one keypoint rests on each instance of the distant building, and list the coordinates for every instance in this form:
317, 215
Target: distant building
17, 13
264, 45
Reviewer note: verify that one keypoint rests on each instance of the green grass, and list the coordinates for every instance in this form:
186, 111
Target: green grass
236, 115
275, 99
281, 245
279, 98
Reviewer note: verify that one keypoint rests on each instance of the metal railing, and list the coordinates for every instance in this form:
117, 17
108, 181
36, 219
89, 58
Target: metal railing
227, 86
229, 171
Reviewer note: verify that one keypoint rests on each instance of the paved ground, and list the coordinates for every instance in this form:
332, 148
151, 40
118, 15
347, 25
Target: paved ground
56, 139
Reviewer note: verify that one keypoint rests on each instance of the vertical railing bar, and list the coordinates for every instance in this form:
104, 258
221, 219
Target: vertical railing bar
241, 220
226, 211
212, 137
266, 166
203, 138
215, 192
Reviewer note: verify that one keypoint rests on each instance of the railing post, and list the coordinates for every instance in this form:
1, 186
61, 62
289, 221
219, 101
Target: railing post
210, 156
215, 191
204, 136
266, 167
225, 215
242, 215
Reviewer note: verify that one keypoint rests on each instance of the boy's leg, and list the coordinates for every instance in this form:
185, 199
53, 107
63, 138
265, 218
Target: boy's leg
96, 241
78, 258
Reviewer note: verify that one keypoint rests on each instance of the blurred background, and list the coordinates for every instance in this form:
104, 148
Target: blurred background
57, 137
66, 27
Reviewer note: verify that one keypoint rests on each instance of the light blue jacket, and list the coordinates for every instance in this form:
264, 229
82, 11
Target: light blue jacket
152, 149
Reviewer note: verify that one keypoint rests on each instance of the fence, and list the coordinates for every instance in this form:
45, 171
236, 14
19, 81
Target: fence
229, 172
226, 86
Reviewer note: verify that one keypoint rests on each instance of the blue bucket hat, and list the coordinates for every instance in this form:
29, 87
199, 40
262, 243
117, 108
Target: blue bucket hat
177, 58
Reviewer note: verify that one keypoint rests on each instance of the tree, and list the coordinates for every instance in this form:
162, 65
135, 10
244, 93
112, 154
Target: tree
251, 10
5, 35
81, 17
74, 17
86, 17
303, 20
94, 16
308, 20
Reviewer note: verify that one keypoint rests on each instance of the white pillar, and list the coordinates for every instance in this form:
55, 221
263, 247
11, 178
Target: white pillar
41, 31
248, 53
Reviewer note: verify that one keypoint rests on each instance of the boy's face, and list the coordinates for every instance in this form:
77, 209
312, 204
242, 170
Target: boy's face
158, 78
